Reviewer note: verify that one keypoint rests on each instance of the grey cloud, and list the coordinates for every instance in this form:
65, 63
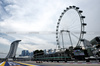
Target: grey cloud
7, 37
3, 12
35, 13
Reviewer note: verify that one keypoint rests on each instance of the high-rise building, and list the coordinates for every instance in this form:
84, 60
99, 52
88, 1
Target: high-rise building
50, 51
26, 53
13, 49
45, 52
23, 53
54, 51
31, 54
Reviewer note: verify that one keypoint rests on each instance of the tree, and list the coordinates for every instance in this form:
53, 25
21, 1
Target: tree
38, 53
41, 52
67, 52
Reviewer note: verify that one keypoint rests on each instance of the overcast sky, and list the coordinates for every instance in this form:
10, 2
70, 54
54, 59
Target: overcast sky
28, 17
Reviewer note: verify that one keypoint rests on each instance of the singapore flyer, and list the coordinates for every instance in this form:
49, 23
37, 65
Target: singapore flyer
70, 27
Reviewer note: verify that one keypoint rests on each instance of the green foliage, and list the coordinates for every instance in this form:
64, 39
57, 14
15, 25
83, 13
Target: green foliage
38, 53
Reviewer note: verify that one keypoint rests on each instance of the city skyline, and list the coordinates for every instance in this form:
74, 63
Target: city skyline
33, 22
26, 53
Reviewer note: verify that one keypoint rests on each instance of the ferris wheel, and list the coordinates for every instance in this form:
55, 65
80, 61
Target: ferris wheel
70, 27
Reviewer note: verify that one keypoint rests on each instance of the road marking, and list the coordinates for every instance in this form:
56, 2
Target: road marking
13, 63
26, 64
3, 63
76, 62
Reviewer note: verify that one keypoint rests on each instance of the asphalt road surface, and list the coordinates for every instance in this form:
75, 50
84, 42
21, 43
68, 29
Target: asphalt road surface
33, 63
63, 64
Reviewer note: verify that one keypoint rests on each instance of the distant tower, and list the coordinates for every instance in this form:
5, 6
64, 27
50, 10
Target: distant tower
13, 49
23, 53
45, 52
50, 51
27, 53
